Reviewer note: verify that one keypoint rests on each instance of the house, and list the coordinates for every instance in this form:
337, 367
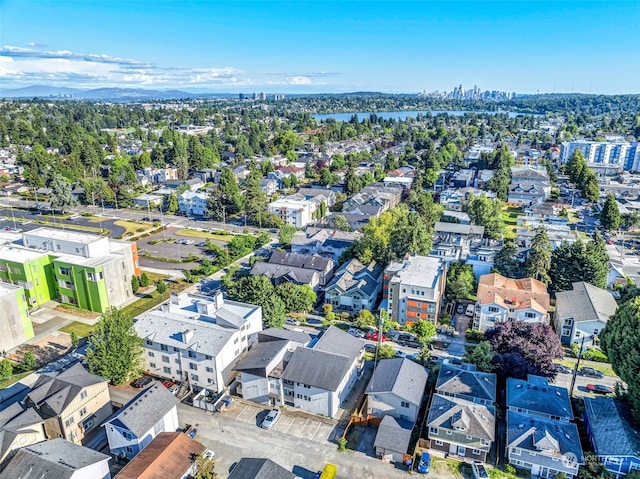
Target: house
466, 382
355, 286
292, 211
462, 178
536, 397
72, 402
337, 243
197, 338
207, 175
403, 181
59, 459
137, 423
396, 389
543, 446
452, 241
324, 266
461, 428
171, 455
19, 426
193, 203
375, 194
260, 369
582, 312
193, 184
318, 379
528, 186
505, 299
15, 322
286, 274
269, 186
615, 440
414, 288
258, 468
392, 439
148, 201
329, 196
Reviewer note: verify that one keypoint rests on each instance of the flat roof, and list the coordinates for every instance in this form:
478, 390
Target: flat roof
7, 288
64, 235
20, 254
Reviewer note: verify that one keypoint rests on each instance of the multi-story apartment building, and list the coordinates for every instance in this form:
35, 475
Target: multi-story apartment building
621, 153
15, 322
293, 211
413, 288
505, 299
88, 271
197, 338
193, 203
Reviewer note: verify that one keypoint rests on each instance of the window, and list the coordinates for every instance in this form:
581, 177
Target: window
69, 421
165, 359
469, 437
192, 354
493, 309
151, 355
208, 357
476, 451
515, 451
194, 377
95, 277
210, 380
149, 342
529, 315
129, 449
84, 394
83, 411
175, 350
152, 365
193, 366
595, 331
484, 442
449, 433
433, 430
438, 442
568, 322
209, 370
566, 332
166, 370
404, 404
64, 271
164, 347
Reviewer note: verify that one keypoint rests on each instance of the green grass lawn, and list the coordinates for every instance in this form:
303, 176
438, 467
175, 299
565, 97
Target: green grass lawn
510, 218
6, 382
81, 329
204, 235
151, 300
604, 368
133, 227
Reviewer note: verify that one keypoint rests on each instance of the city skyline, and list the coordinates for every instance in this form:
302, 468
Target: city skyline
322, 47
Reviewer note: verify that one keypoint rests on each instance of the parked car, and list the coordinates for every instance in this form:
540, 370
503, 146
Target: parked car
202, 244
424, 464
272, 417
460, 308
400, 354
142, 382
561, 369
356, 332
471, 310
292, 322
373, 336
599, 389
479, 471
370, 348
168, 384
590, 372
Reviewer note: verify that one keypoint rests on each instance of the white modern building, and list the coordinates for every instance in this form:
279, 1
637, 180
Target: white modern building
193, 203
295, 212
197, 338
616, 152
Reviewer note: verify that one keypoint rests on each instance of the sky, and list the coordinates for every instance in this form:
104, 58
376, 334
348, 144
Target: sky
331, 46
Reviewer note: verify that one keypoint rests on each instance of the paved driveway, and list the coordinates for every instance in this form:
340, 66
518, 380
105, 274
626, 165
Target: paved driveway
292, 423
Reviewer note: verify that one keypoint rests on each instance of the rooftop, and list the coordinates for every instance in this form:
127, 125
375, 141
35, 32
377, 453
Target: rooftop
258, 468
64, 235
19, 254
416, 271
610, 426
585, 302
8, 288
523, 293
452, 413
402, 377
466, 381
393, 434
536, 395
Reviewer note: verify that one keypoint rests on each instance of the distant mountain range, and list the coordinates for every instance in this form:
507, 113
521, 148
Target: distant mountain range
114, 94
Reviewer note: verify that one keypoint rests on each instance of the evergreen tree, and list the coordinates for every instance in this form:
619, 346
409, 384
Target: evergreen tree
539, 260
61, 199
506, 261
255, 200
610, 216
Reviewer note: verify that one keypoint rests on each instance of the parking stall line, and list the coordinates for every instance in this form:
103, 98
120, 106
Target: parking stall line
243, 410
316, 431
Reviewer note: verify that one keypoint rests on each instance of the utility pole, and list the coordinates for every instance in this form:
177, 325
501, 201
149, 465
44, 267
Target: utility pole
575, 370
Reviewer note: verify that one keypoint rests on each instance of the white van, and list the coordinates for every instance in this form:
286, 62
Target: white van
471, 310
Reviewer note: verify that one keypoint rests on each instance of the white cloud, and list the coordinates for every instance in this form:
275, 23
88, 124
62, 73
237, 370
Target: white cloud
298, 80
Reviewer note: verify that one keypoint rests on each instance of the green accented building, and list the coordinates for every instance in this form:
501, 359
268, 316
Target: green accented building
88, 271
15, 322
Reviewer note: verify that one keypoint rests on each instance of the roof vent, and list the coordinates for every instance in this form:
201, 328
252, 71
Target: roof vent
520, 426
518, 386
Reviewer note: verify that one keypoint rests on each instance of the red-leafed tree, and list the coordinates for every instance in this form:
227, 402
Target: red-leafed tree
524, 348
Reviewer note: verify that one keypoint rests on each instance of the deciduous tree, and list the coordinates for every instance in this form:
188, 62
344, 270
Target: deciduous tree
461, 282
482, 356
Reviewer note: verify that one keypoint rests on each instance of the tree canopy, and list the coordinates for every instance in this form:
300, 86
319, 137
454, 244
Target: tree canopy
487, 212
461, 282
539, 260
579, 262
610, 215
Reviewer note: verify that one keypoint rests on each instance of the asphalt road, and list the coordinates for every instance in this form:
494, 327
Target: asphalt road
21, 216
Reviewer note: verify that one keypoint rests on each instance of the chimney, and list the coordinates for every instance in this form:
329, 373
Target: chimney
187, 336
174, 298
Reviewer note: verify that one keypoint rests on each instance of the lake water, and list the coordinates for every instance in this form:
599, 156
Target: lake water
402, 115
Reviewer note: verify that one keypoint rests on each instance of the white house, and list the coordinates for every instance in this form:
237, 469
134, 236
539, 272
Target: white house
295, 212
135, 425
197, 338
582, 313
355, 286
58, 459
505, 299
193, 203
148, 201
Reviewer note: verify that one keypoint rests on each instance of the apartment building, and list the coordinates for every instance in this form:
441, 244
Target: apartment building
293, 211
15, 322
413, 288
617, 152
197, 338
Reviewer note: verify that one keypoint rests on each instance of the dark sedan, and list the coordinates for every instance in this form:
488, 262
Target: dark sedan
142, 382
599, 389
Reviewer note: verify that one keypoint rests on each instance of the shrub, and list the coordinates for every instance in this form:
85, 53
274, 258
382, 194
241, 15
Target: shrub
510, 469
29, 360
144, 280
342, 444
135, 284
474, 335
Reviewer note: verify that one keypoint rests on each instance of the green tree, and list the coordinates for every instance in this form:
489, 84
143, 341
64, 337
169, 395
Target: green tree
251, 289
461, 282
286, 233
135, 283
385, 351
161, 288
424, 330
255, 200
274, 312
205, 468
6, 368
115, 349
482, 356
506, 261
30, 360
538, 262
575, 166
620, 341
74, 339
144, 280
296, 298
577, 262
610, 216
487, 212
340, 223
364, 319
60, 198
172, 203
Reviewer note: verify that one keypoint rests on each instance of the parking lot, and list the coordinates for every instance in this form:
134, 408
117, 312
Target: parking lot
293, 423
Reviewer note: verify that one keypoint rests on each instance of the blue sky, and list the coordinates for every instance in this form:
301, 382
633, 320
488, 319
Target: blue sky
332, 46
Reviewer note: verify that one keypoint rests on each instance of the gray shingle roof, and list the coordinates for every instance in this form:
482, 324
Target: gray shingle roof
528, 432
537, 395
477, 419
611, 430
255, 468
402, 377
278, 271
585, 302
274, 334
459, 381
393, 434
144, 410
17, 419
314, 262
335, 340
57, 458
317, 368
356, 276
260, 355
58, 390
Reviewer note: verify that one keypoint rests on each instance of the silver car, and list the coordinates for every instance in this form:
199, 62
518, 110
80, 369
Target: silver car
272, 417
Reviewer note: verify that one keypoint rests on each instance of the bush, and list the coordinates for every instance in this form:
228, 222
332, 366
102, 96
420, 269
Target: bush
135, 284
29, 360
474, 335
144, 280
342, 444
593, 354
510, 469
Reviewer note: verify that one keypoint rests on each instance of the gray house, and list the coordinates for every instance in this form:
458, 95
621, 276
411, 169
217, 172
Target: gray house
392, 439
582, 312
396, 389
537, 397
355, 286
465, 382
461, 428
259, 468
324, 266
